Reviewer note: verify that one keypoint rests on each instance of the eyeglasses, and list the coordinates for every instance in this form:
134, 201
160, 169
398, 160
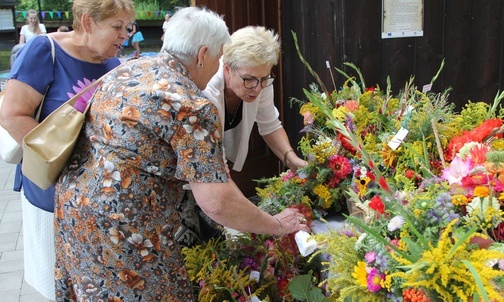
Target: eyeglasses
251, 83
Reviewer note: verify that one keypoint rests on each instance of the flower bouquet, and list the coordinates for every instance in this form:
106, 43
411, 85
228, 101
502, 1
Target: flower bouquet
422, 190
432, 225
247, 267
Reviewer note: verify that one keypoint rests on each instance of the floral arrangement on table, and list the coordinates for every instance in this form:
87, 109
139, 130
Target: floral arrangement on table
422, 187
247, 267
431, 226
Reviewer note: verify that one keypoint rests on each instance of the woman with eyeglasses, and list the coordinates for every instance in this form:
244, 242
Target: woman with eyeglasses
242, 90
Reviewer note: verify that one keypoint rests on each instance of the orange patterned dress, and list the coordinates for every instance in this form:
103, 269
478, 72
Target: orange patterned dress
119, 200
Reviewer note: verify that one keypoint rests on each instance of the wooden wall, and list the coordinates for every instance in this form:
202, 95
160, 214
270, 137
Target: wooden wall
261, 162
468, 34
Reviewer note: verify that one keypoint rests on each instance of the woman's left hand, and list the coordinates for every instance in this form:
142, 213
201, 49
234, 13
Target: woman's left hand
294, 163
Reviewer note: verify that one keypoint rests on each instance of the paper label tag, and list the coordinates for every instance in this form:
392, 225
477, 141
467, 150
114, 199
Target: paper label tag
426, 88
398, 138
255, 275
306, 245
409, 109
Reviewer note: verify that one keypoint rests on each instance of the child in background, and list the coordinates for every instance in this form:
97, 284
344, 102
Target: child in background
137, 37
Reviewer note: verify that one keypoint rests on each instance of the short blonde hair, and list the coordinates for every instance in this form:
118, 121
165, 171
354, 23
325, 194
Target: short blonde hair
252, 46
100, 10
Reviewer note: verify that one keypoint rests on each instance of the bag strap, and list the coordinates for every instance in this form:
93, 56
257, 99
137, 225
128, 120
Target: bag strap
53, 55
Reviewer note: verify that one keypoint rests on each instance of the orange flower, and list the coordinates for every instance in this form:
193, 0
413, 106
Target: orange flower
351, 105
481, 191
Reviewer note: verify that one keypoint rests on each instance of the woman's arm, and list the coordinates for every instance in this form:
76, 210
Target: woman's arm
226, 205
133, 30
280, 145
18, 108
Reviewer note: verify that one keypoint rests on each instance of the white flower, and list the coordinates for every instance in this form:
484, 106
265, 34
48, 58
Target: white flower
360, 239
395, 223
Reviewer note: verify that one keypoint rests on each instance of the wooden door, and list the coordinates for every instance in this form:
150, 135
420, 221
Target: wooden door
261, 161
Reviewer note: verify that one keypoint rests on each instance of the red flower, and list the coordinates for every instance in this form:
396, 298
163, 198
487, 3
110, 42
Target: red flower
306, 211
371, 164
409, 173
346, 143
384, 184
498, 233
377, 204
478, 134
281, 286
340, 166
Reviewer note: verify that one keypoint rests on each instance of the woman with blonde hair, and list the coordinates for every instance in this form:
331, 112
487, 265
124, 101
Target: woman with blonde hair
81, 57
242, 90
32, 28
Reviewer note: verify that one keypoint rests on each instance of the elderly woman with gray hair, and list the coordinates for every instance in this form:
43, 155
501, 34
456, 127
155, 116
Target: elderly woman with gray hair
149, 131
242, 90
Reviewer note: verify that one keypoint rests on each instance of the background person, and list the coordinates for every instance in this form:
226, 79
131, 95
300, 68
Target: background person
82, 56
165, 24
242, 90
32, 29
63, 28
136, 38
150, 130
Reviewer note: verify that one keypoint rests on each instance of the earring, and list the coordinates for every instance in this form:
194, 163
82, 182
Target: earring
199, 65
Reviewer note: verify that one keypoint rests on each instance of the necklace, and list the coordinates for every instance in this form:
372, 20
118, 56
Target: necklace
228, 118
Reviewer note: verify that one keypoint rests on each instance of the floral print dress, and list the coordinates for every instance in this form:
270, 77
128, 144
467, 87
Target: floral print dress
117, 211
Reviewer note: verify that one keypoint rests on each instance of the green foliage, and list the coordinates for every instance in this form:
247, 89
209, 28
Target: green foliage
4, 59
27, 4
46, 5
57, 5
302, 289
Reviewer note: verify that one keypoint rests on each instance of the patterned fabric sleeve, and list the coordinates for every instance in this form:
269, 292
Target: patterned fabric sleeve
199, 145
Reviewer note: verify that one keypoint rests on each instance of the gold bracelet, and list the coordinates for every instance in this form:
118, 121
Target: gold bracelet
281, 226
285, 156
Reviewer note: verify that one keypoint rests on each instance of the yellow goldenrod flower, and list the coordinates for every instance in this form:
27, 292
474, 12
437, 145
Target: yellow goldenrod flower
459, 200
441, 269
323, 192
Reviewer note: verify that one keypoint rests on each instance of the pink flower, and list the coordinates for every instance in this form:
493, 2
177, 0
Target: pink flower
456, 171
308, 118
288, 175
374, 280
370, 257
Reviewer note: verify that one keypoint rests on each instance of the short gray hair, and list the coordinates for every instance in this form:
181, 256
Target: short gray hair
191, 28
252, 46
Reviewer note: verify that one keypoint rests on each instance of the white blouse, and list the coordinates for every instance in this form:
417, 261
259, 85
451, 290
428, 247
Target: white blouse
29, 34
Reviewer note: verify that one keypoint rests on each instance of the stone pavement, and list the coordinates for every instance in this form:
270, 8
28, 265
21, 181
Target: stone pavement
12, 286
